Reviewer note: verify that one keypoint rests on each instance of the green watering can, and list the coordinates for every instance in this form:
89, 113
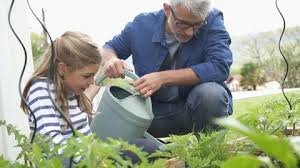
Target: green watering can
123, 114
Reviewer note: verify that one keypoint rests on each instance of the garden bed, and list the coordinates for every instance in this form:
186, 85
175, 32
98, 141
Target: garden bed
262, 138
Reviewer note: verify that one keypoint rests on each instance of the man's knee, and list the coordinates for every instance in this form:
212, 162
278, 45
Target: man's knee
209, 98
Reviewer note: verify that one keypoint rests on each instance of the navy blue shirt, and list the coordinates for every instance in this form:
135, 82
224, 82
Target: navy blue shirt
207, 53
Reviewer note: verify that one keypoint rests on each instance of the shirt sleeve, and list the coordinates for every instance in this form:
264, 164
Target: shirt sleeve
47, 120
121, 43
218, 56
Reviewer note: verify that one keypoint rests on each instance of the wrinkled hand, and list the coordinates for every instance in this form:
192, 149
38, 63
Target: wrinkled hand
92, 91
114, 68
148, 84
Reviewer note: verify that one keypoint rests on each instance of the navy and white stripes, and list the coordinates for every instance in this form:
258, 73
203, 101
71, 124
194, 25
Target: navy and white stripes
49, 122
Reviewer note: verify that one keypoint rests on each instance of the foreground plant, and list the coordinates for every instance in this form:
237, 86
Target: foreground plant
274, 116
201, 151
89, 151
281, 149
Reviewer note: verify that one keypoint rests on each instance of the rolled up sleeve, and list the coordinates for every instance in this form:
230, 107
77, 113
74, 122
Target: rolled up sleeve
121, 43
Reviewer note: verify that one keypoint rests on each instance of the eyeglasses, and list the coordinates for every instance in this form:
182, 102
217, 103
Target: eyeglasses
181, 24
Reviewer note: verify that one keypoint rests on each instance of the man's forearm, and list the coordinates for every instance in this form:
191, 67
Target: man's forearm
180, 77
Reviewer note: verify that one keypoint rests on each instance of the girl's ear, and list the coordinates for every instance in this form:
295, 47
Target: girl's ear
61, 69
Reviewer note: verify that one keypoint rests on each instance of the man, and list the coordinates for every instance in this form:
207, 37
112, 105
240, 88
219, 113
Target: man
182, 56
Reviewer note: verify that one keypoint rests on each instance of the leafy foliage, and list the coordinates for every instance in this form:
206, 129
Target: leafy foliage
262, 50
245, 161
38, 45
279, 148
272, 116
208, 151
260, 144
90, 151
251, 75
292, 53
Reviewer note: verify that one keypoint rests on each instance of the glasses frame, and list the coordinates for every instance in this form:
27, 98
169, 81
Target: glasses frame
183, 25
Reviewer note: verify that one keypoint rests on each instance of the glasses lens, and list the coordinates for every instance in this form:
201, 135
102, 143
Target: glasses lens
182, 25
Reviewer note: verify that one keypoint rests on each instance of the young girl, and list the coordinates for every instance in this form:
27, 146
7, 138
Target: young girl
76, 61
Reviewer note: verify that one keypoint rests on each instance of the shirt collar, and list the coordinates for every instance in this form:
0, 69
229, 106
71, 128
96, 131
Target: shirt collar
158, 35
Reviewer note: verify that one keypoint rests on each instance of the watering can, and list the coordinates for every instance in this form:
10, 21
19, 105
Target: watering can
123, 114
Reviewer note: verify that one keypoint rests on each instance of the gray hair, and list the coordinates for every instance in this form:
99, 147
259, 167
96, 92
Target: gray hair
197, 7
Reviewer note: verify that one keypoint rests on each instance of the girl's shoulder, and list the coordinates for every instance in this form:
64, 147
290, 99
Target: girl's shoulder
40, 80
39, 86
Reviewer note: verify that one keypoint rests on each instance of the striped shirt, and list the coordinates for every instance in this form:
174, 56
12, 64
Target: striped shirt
50, 122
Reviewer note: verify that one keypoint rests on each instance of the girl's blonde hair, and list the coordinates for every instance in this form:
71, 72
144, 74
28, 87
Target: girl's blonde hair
74, 49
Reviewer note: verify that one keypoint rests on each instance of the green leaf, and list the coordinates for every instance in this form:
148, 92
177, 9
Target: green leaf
278, 148
36, 151
55, 163
246, 161
4, 163
295, 141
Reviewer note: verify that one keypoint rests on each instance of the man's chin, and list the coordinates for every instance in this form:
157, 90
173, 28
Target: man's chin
183, 40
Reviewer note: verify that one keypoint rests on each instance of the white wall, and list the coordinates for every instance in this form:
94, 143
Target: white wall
11, 63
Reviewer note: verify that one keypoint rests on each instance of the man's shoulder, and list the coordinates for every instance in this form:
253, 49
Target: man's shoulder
149, 16
214, 12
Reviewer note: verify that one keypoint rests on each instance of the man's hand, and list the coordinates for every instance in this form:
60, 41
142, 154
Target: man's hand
148, 84
114, 68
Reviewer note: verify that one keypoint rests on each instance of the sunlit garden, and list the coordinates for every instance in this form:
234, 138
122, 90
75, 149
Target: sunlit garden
262, 132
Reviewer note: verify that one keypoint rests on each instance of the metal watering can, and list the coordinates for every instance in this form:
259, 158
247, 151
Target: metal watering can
123, 113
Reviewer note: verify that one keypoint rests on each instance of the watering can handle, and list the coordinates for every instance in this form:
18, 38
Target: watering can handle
128, 73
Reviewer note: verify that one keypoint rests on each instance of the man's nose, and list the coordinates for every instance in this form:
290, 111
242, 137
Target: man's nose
189, 31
